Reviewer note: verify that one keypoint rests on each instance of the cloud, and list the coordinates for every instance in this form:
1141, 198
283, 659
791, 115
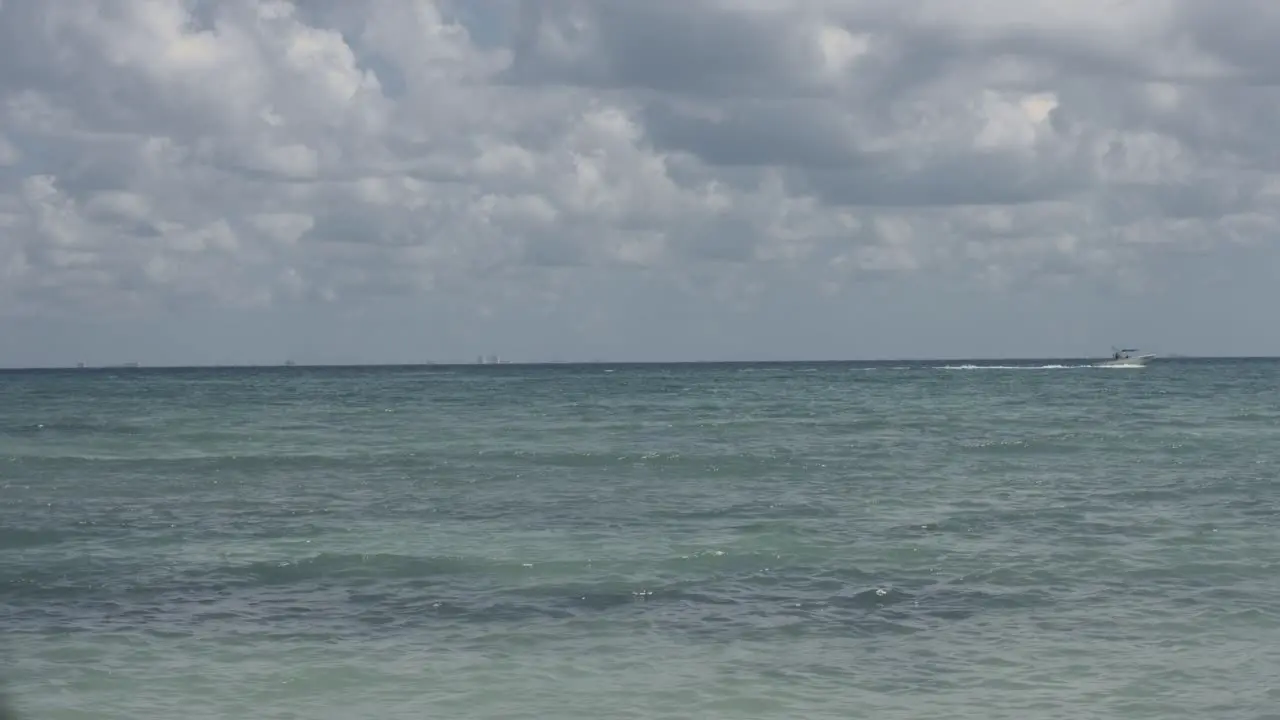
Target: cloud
257, 154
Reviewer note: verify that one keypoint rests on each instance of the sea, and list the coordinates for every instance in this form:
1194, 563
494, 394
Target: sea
1040, 539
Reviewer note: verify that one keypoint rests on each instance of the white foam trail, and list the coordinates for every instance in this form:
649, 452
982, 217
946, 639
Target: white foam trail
1033, 367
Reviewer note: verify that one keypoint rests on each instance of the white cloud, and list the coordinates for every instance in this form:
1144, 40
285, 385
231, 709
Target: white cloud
261, 153
8, 153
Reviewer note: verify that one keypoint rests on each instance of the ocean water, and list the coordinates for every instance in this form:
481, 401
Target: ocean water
665, 541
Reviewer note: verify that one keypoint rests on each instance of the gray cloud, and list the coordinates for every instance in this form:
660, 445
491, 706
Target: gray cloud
254, 154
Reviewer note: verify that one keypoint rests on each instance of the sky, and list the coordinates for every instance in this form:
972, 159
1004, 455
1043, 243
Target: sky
250, 181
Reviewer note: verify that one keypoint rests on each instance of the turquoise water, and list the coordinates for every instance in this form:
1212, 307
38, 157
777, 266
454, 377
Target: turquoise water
681, 541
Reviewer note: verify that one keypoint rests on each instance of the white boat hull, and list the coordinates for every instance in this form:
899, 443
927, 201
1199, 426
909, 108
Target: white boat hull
1136, 361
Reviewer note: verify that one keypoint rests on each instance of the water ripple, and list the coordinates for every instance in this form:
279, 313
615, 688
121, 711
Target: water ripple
664, 541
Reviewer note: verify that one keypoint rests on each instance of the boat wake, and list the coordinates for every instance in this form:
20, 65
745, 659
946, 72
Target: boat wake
1037, 367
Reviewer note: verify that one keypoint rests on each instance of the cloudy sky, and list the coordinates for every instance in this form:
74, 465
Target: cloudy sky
405, 180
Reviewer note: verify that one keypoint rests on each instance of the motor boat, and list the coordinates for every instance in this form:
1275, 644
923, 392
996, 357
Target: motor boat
1125, 357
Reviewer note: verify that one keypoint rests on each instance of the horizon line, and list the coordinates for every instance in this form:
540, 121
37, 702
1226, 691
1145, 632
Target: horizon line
286, 365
